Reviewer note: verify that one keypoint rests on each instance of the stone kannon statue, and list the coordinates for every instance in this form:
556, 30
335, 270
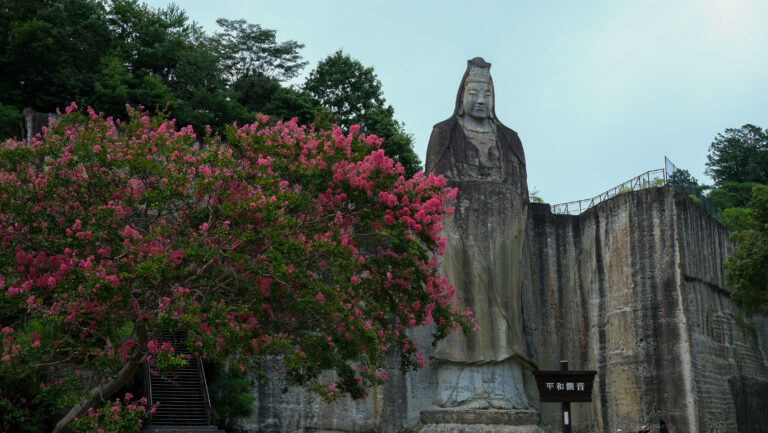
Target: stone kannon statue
484, 254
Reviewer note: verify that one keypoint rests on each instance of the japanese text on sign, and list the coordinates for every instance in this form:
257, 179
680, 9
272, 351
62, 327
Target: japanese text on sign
568, 386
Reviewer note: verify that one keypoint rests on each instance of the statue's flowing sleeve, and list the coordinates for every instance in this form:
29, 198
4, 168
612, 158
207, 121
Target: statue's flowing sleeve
439, 151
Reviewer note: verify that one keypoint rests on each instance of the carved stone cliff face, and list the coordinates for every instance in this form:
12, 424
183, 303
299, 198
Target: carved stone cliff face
634, 289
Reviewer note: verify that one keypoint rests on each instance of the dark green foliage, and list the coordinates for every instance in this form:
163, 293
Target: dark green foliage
9, 121
201, 93
739, 219
152, 42
261, 94
248, 49
352, 95
111, 54
230, 393
739, 155
397, 143
172, 65
39, 413
737, 160
346, 88
50, 51
683, 179
747, 268
731, 194
56, 52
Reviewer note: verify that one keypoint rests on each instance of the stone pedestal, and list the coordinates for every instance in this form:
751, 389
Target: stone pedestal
493, 385
479, 421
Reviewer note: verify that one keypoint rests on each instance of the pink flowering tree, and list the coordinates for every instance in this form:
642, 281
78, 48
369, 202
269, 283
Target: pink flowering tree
275, 241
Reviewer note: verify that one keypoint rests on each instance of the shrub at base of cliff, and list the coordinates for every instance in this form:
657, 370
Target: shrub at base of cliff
230, 392
10, 119
284, 241
747, 268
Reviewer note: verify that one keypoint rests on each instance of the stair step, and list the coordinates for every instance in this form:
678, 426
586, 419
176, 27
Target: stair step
180, 420
180, 393
183, 429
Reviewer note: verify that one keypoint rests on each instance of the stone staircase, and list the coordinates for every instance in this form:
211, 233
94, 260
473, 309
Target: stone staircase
182, 395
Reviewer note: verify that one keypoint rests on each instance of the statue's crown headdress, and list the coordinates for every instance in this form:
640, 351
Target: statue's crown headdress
479, 70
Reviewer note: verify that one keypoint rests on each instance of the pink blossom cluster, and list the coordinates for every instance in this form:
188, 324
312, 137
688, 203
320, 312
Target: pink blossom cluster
126, 415
274, 240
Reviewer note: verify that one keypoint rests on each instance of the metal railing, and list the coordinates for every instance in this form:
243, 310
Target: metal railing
651, 178
148, 388
207, 396
696, 193
648, 179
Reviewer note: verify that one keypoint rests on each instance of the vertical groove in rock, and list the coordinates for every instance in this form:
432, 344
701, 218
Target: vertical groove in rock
601, 324
684, 348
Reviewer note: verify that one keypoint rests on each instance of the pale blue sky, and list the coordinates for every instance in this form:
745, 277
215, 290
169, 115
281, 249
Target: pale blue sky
599, 91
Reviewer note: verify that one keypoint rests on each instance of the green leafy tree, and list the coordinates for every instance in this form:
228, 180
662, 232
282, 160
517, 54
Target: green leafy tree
247, 49
352, 95
747, 268
109, 54
261, 94
9, 121
153, 42
739, 219
737, 160
255, 64
50, 51
731, 194
739, 155
101, 54
159, 61
230, 392
200, 89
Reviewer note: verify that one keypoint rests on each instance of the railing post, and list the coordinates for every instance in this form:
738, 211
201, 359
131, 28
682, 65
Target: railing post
205, 388
148, 379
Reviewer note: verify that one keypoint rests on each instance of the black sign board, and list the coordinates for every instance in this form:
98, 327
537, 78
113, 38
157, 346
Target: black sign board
565, 386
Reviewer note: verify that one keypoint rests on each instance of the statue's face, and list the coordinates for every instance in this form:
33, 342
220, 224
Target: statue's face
478, 100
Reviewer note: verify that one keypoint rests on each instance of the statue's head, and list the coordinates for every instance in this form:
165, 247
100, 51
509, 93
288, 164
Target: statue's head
475, 98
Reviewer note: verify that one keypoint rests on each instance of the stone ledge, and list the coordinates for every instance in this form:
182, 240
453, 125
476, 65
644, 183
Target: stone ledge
480, 428
480, 416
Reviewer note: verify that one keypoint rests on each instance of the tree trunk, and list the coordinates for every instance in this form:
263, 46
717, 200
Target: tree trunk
102, 392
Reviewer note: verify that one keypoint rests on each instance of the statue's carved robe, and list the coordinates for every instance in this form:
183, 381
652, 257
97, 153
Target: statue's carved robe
485, 239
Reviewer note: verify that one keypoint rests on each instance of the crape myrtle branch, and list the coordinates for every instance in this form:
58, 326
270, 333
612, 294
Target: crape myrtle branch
278, 241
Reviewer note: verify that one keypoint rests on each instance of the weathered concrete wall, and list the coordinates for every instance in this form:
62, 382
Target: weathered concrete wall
610, 277
390, 408
727, 360
634, 289
555, 306
34, 121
